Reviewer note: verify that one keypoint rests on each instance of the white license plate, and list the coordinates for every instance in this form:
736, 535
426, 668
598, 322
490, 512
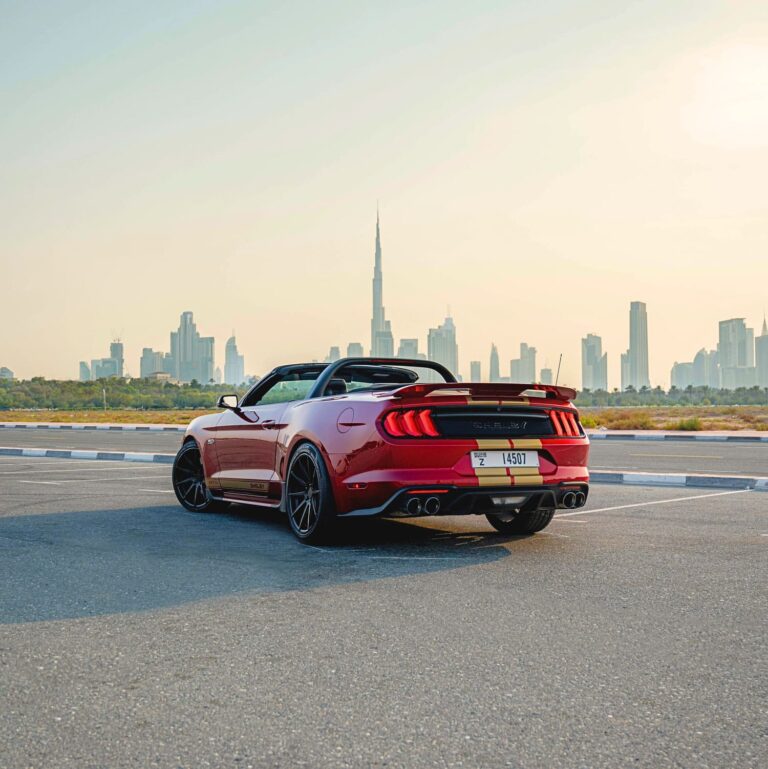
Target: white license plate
505, 459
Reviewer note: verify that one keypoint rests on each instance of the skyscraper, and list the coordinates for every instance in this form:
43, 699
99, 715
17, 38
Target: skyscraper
355, 350
594, 364
234, 363
494, 375
116, 353
546, 376
736, 353
442, 347
761, 357
409, 348
192, 355
382, 343
474, 371
523, 369
706, 370
151, 362
638, 346
85, 371
333, 354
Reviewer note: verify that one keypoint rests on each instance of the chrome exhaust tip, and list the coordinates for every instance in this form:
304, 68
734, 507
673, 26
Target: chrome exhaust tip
581, 499
569, 500
413, 506
432, 506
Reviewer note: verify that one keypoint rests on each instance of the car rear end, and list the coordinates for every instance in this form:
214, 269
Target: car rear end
472, 449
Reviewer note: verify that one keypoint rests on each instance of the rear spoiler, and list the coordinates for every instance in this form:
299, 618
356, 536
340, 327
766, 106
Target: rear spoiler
486, 390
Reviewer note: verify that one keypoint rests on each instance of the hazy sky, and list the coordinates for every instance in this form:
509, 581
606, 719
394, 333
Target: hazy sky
538, 165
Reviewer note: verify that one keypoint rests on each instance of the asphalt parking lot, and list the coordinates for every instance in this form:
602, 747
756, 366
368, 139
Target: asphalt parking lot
136, 634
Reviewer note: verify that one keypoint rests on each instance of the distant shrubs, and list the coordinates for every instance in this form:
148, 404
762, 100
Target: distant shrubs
690, 424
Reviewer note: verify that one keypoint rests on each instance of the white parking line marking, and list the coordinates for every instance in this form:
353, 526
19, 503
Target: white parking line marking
653, 502
44, 483
680, 456
93, 480
158, 491
88, 469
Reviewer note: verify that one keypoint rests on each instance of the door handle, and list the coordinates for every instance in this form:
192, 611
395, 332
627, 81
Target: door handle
268, 423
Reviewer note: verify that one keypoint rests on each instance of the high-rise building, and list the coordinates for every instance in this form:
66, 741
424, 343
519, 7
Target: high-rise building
522, 370
409, 348
594, 364
625, 370
116, 353
736, 353
234, 363
546, 376
382, 343
355, 350
494, 374
474, 371
681, 375
151, 362
442, 347
217, 377
636, 363
191, 354
761, 357
334, 354
85, 371
103, 368
6, 373
706, 369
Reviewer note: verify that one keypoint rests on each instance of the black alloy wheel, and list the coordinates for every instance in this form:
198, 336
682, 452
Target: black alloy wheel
521, 523
308, 495
189, 481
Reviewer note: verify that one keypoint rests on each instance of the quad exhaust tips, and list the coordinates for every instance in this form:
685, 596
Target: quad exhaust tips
432, 506
581, 499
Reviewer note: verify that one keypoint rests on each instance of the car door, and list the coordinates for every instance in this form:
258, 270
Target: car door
246, 443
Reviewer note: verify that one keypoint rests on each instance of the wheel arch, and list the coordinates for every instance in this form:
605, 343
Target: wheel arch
296, 444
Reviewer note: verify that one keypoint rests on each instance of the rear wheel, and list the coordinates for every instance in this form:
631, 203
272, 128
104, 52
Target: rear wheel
522, 523
189, 481
310, 506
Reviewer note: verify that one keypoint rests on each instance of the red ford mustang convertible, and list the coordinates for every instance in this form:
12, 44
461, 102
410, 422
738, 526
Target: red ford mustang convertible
388, 437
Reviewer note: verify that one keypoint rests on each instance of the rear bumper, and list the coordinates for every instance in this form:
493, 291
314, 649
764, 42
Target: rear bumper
458, 500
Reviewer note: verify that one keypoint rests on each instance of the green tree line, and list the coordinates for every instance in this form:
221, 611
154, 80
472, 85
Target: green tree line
40, 393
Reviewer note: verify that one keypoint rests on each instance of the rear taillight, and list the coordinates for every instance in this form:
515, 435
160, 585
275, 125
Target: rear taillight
565, 423
412, 423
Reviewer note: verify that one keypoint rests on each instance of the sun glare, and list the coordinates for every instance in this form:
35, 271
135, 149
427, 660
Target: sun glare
728, 102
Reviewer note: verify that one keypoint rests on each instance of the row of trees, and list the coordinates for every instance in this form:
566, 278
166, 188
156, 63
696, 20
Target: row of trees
40, 393
690, 396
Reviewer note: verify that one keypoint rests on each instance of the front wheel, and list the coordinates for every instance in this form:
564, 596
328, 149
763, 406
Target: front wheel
188, 479
522, 523
309, 499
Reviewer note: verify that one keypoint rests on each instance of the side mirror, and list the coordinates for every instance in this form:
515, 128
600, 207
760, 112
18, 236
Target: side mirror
227, 402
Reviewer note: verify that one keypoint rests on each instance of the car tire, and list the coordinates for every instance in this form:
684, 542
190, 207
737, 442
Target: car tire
522, 523
188, 478
309, 497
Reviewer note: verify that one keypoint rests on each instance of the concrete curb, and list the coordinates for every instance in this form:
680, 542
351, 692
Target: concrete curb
681, 480
610, 436
116, 456
78, 426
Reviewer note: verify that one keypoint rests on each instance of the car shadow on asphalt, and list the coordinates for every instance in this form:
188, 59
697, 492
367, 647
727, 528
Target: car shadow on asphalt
89, 563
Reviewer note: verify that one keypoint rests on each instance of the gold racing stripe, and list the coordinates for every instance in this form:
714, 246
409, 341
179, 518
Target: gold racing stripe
526, 443
527, 480
493, 480
484, 444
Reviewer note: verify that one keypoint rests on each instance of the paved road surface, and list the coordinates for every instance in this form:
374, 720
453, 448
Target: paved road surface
136, 634
651, 456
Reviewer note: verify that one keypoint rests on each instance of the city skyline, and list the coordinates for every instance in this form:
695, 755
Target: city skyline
739, 361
